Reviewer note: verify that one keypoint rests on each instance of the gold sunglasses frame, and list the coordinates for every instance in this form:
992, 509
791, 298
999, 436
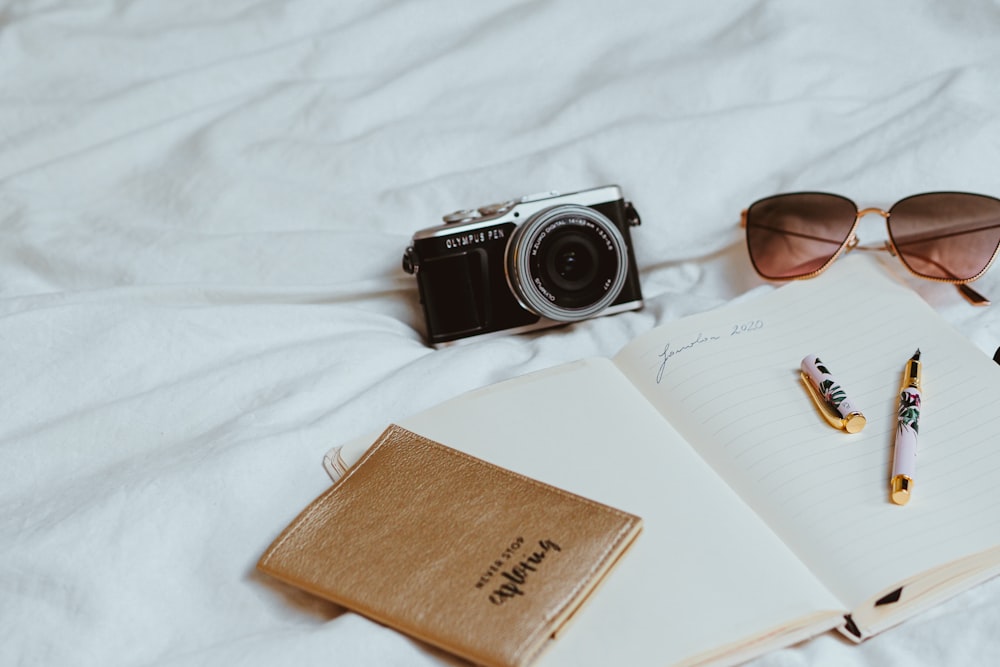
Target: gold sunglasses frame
852, 243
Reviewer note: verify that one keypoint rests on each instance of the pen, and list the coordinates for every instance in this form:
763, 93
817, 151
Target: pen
904, 458
830, 396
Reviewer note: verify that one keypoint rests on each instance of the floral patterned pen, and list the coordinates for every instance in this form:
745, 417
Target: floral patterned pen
830, 397
904, 458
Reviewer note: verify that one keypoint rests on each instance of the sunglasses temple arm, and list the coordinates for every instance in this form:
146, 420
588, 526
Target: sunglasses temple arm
972, 296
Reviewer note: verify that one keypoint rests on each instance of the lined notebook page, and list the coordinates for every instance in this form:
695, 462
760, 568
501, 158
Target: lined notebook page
728, 381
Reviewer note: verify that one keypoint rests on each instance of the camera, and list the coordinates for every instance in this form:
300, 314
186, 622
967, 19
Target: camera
524, 264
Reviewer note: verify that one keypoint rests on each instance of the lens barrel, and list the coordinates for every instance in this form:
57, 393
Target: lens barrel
567, 263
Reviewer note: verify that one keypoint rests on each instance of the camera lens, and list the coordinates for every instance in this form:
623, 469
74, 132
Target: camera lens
572, 262
567, 263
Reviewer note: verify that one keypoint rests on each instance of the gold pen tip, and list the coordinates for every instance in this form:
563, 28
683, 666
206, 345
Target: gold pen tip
901, 488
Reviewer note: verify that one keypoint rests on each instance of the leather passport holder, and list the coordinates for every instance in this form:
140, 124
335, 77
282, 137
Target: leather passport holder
470, 557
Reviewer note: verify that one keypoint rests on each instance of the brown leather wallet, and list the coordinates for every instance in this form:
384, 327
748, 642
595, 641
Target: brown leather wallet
470, 557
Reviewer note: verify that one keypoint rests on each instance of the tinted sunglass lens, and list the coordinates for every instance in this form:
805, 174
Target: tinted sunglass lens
795, 235
946, 235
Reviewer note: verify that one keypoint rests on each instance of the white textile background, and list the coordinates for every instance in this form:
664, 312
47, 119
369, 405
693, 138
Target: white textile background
203, 206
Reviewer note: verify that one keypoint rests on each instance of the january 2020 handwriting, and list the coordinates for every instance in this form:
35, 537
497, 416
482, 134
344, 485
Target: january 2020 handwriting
669, 351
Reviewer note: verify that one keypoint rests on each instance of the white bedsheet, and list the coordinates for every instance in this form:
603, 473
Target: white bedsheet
203, 206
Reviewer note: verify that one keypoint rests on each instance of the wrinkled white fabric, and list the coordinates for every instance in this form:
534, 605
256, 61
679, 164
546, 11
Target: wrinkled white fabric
203, 206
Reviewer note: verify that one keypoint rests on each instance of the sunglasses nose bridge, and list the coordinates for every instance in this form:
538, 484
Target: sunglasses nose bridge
872, 210
857, 219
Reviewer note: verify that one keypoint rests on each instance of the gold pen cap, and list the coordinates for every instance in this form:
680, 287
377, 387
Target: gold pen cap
852, 422
901, 489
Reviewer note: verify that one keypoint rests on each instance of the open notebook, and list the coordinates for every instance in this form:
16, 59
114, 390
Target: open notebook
764, 525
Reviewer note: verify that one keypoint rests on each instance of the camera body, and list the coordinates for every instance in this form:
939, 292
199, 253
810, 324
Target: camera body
519, 265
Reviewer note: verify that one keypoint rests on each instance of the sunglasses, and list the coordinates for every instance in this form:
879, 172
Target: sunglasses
950, 237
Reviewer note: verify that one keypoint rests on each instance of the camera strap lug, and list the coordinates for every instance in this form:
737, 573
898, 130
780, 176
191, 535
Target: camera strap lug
410, 262
632, 215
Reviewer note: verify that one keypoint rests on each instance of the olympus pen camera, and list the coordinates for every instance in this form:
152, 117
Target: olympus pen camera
525, 264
